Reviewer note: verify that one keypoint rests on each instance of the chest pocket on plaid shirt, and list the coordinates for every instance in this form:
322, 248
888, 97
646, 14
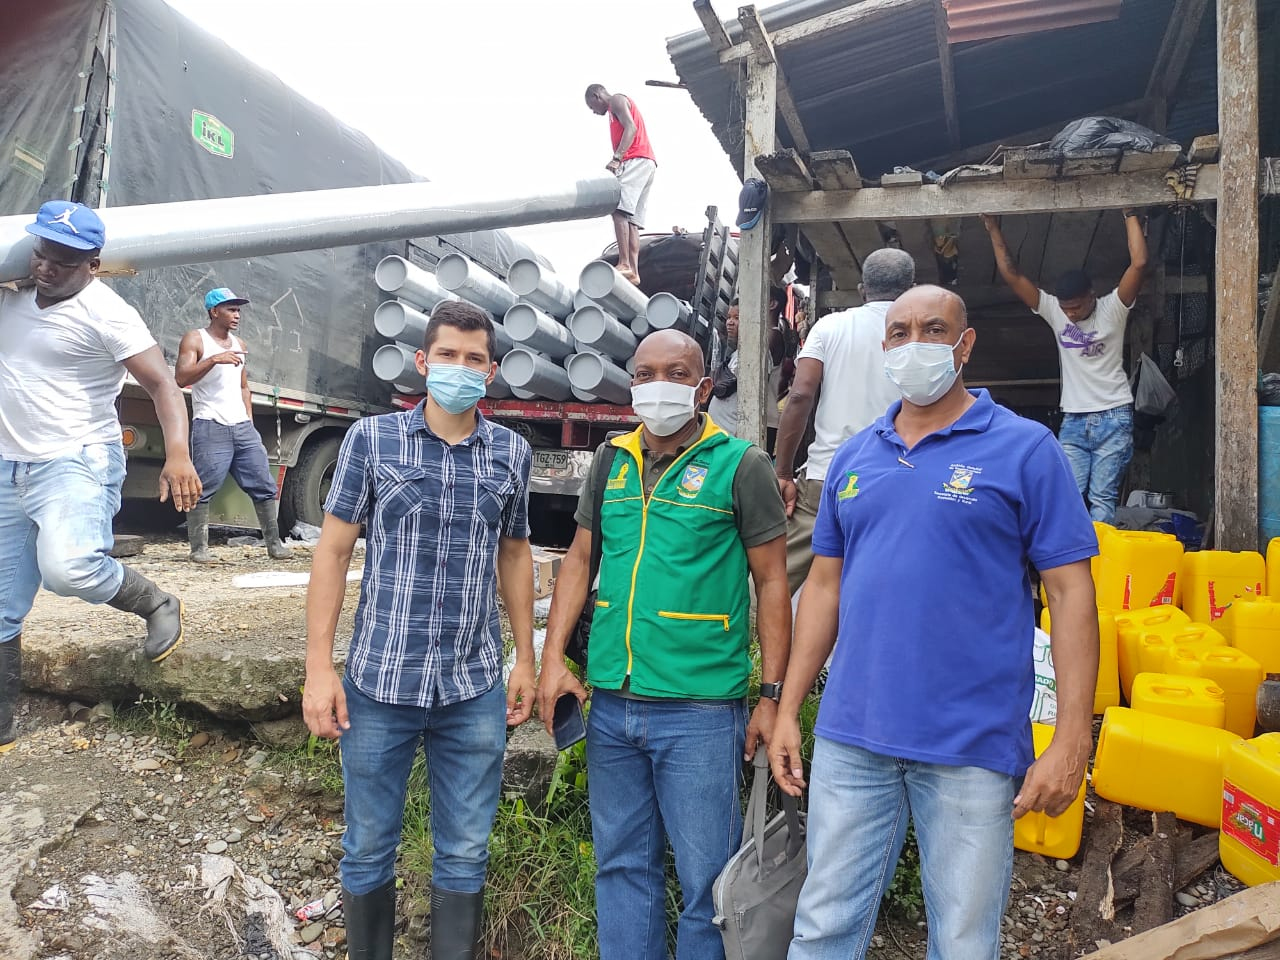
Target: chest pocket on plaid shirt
491, 498
402, 491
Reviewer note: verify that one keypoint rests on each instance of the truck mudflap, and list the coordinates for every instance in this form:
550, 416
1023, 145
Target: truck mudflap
560, 471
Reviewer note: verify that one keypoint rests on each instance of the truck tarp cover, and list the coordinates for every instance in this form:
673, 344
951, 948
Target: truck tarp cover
195, 120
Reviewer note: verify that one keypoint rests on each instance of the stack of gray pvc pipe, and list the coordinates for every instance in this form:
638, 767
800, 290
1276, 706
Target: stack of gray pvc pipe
555, 342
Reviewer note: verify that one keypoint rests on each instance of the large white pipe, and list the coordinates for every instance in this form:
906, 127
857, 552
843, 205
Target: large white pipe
598, 330
399, 277
595, 374
583, 396
526, 370
531, 328
473, 282
631, 364
640, 325
606, 286
580, 300
236, 228
535, 283
394, 363
667, 312
399, 321
520, 394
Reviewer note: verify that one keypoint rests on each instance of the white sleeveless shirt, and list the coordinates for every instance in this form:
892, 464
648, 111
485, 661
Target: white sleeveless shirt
217, 396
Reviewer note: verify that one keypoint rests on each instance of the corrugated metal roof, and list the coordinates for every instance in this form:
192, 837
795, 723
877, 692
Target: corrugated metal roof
875, 88
987, 19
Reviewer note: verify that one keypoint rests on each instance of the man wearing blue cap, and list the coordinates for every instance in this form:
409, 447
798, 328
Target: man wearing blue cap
65, 347
211, 361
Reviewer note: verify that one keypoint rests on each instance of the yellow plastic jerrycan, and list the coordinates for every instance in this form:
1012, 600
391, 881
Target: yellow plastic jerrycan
1095, 563
1249, 841
1107, 692
1213, 579
1237, 673
1193, 699
1057, 837
1157, 763
1273, 566
1253, 627
1154, 645
1130, 627
1138, 569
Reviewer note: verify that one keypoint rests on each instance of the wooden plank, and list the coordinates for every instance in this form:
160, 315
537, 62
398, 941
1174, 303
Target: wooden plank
784, 170
1154, 905
761, 108
1175, 48
947, 67
851, 15
711, 24
836, 170
1194, 858
1236, 282
758, 38
1108, 192
908, 178
1239, 923
1031, 163
1268, 951
1203, 149
1162, 157
1093, 914
1090, 163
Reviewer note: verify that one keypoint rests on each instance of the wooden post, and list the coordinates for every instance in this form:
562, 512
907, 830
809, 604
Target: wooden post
753, 252
1236, 279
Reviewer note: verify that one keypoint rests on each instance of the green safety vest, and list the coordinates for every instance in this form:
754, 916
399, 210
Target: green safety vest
673, 608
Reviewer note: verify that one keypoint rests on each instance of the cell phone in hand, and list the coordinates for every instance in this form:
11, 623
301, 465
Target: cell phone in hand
567, 724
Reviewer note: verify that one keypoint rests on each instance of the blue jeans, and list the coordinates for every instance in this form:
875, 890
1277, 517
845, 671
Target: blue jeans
659, 770
218, 449
1099, 447
463, 744
55, 527
859, 803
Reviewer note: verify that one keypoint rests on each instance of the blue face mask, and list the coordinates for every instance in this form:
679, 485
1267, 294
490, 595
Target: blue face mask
454, 387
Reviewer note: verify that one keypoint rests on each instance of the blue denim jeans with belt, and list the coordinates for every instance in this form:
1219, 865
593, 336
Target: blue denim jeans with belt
55, 528
1099, 447
661, 770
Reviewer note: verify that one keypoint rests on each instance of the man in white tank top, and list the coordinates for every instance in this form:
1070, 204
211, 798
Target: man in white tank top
211, 361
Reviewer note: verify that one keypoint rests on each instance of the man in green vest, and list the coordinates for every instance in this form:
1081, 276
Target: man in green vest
688, 514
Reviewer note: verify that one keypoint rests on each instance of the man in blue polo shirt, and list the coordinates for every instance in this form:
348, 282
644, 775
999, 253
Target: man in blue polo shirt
444, 495
926, 525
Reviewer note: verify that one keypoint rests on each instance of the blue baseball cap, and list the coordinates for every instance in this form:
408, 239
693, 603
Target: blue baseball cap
70, 224
216, 298
751, 201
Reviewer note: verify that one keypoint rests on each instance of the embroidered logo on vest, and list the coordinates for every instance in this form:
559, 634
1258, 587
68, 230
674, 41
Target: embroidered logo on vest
691, 482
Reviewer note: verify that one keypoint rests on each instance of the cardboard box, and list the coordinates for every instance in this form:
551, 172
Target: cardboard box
546, 567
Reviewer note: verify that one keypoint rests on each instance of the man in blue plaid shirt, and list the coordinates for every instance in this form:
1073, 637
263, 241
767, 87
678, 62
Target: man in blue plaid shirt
444, 496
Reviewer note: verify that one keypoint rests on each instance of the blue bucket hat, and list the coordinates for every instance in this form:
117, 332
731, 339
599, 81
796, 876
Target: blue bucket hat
751, 201
70, 224
216, 298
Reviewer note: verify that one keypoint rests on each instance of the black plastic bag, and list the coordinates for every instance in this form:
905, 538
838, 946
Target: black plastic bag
1105, 133
1269, 390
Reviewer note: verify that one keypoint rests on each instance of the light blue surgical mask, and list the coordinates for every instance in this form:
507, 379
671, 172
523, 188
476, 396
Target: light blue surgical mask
922, 372
454, 387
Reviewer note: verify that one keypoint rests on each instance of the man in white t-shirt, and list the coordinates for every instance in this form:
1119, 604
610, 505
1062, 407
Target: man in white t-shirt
65, 347
211, 361
1097, 405
843, 354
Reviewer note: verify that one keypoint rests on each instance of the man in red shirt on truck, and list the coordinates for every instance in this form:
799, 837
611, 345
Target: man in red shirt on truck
633, 164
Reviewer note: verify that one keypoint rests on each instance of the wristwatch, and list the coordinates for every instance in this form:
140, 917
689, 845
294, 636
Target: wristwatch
772, 690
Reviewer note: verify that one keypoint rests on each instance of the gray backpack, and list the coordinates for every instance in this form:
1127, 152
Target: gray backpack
755, 895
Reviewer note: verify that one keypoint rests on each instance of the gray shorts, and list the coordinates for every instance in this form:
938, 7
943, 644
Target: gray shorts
636, 177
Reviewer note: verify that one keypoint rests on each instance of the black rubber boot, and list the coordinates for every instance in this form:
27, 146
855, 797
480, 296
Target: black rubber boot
456, 925
162, 611
10, 683
268, 512
198, 534
371, 922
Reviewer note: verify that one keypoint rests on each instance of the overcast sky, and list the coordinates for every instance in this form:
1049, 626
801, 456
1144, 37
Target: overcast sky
493, 89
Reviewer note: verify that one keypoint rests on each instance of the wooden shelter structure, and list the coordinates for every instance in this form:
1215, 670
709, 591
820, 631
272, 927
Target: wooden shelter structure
846, 109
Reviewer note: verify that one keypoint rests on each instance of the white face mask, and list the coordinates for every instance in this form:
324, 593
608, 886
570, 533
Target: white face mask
922, 372
665, 407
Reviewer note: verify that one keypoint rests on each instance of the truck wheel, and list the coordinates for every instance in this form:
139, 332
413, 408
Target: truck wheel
307, 484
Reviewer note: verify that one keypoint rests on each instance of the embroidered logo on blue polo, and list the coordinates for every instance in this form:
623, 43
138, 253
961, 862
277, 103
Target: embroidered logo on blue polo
959, 487
850, 488
691, 482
